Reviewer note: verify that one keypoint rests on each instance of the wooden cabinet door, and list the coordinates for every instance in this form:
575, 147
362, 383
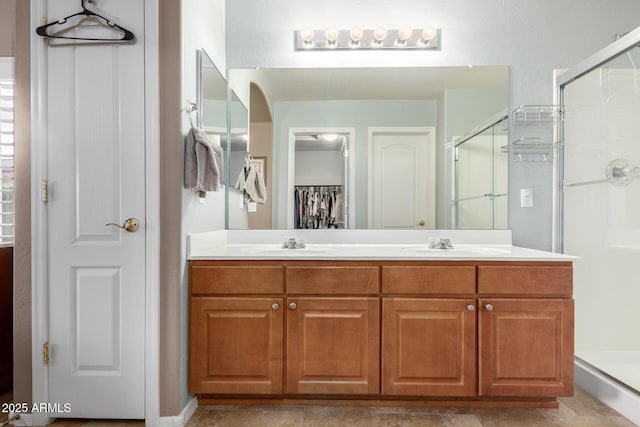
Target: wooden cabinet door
235, 345
333, 345
526, 347
428, 347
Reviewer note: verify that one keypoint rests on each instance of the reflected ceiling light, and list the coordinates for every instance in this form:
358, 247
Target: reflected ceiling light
330, 137
332, 38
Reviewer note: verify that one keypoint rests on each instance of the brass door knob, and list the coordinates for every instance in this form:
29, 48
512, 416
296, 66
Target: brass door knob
130, 224
421, 223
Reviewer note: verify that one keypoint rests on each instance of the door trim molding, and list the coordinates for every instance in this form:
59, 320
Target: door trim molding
39, 229
152, 209
39, 257
431, 173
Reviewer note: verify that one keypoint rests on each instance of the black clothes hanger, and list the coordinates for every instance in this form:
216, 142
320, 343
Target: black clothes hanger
128, 35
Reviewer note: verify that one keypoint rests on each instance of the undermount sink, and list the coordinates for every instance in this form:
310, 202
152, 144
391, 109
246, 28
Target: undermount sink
460, 251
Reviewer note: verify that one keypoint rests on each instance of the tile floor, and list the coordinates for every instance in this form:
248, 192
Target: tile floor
582, 410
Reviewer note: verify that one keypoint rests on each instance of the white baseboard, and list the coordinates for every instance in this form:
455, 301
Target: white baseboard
24, 420
181, 419
609, 391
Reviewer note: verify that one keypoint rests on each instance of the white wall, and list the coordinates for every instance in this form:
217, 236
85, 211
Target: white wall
319, 168
533, 38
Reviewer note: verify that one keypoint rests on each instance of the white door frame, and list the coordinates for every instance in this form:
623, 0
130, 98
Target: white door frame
39, 216
291, 169
431, 173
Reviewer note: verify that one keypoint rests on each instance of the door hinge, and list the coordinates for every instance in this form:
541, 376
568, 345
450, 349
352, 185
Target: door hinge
45, 353
45, 190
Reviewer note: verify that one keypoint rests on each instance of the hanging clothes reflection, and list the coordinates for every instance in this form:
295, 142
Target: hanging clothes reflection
318, 206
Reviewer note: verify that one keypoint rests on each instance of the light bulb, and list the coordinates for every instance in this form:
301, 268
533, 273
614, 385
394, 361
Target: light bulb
356, 33
306, 34
331, 34
330, 137
380, 33
429, 32
405, 32
378, 36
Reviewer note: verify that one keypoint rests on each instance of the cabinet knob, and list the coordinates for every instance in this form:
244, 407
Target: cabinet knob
293, 306
488, 307
471, 307
275, 306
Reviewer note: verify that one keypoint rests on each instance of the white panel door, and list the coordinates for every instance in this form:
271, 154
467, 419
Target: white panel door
400, 187
96, 171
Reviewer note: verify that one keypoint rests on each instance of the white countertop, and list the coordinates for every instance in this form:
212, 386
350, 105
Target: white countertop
489, 245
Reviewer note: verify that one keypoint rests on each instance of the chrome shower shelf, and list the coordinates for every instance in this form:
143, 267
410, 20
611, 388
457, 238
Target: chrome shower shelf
532, 150
536, 115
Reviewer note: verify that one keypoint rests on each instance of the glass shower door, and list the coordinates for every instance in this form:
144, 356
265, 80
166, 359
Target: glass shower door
481, 180
601, 201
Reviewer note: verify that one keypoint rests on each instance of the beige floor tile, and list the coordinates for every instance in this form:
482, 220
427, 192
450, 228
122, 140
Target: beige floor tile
407, 420
511, 418
582, 410
461, 420
337, 417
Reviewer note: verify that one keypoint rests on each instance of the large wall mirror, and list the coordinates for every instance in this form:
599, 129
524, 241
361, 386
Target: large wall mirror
369, 147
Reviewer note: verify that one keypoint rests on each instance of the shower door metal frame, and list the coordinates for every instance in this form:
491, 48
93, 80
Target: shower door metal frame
618, 47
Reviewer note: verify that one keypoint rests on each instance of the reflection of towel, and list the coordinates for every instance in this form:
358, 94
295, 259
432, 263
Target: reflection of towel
252, 183
203, 162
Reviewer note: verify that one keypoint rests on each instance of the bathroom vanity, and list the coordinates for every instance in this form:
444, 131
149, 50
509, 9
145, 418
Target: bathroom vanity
489, 325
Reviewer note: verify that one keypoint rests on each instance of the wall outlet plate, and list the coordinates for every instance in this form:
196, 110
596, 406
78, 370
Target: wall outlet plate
526, 197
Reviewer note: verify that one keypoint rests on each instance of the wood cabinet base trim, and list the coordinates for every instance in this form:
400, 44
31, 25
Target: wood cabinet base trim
365, 401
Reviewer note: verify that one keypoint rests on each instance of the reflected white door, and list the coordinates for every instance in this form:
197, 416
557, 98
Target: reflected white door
96, 171
401, 179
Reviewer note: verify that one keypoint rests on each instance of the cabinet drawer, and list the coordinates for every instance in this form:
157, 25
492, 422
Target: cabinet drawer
236, 280
333, 280
527, 280
429, 280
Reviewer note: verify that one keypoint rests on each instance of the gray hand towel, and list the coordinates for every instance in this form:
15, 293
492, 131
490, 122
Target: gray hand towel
202, 163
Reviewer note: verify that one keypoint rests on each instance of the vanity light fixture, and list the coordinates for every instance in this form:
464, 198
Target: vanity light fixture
332, 38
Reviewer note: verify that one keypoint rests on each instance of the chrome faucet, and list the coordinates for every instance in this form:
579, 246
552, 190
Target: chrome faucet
441, 244
292, 243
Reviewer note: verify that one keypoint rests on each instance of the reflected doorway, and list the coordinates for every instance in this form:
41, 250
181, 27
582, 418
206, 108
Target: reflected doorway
320, 178
402, 178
